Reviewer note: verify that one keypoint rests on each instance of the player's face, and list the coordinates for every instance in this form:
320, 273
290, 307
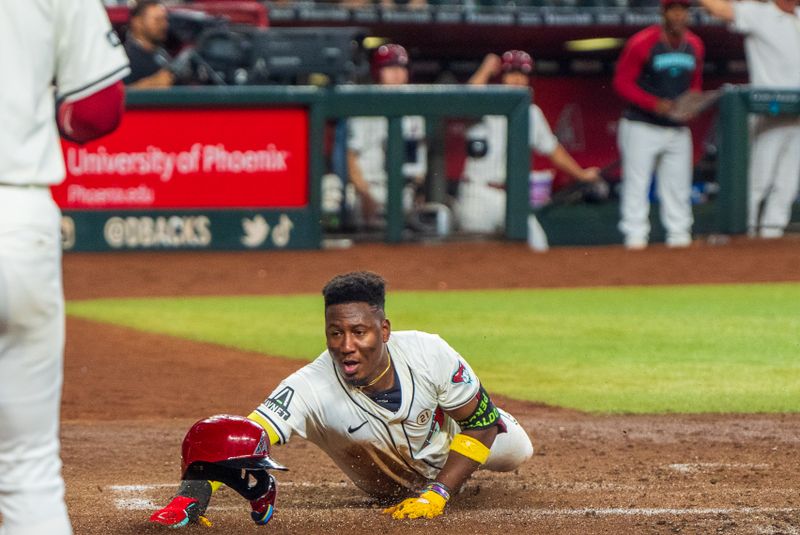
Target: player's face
516, 78
394, 75
155, 24
356, 335
676, 19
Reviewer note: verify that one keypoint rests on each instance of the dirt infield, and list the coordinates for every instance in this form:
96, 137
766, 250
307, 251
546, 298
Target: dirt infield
129, 398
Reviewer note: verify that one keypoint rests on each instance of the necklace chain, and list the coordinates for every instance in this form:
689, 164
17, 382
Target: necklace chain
384, 372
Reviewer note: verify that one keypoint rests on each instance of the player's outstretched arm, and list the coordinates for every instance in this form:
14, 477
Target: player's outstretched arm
721, 9
564, 162
369, 206
469, 449
489, 67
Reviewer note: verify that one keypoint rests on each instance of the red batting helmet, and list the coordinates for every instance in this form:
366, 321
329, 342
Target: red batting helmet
517, 61
229, 441
234, 451
388, 56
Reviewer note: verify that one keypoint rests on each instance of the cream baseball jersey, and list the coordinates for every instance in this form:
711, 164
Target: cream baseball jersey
772, 43
367, 137
491, 131
378, 449
84, 62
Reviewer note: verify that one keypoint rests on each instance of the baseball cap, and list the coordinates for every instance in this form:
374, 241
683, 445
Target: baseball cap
388, 55
667, 3
517, 61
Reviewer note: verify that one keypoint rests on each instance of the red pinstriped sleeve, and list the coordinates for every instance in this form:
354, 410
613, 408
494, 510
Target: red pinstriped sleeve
630, 65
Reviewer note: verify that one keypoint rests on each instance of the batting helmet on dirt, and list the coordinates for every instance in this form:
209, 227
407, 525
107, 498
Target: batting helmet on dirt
387, 56
227, 440
235, 451
517, 61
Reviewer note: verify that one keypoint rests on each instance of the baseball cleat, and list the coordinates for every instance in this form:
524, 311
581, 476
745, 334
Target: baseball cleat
177, 513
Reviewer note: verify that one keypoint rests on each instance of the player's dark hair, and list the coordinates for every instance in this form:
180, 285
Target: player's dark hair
356, 287
138, 7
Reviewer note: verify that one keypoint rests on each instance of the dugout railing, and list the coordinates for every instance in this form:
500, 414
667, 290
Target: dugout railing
734, 148
586, 224
300, 226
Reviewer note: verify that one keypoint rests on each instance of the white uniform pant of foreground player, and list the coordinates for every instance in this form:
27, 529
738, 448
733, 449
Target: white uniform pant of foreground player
646, 148
31, 354
774, 174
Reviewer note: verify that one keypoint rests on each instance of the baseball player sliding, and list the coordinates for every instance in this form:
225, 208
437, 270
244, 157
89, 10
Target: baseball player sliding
657, 65
71, 42
401, 413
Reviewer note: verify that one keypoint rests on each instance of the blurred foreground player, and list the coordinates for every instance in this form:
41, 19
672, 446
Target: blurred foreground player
68, 43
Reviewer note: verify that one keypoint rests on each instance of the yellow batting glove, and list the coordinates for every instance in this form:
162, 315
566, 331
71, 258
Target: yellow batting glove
429, 504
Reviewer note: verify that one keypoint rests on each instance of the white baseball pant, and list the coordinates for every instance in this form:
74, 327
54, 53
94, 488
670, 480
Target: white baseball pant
510, 449
31, 360
646, 148
480, 208
774, 174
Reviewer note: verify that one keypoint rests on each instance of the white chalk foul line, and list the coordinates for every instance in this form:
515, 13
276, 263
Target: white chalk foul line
128, 497
145, 488
698, 467
132, 501
648, 512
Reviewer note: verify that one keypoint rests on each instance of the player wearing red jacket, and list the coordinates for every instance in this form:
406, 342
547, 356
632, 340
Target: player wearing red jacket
657, 65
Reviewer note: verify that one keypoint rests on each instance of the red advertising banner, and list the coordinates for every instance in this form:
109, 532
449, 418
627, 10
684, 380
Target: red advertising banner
192, 158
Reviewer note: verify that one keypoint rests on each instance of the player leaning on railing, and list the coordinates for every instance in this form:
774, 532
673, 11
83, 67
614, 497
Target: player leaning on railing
402, 414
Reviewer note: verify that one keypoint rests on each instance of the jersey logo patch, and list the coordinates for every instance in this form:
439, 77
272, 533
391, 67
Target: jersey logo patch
351, 429
462, 375
113, 38
280, 403
436, 425
424, 417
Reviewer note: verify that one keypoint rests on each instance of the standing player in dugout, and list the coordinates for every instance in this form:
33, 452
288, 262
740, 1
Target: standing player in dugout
401, 413
772, 47
657, 65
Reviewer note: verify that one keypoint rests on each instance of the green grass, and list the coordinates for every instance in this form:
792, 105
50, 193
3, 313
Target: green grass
635, 349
